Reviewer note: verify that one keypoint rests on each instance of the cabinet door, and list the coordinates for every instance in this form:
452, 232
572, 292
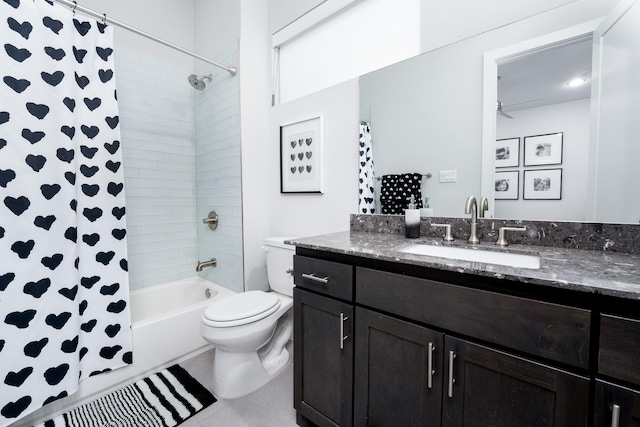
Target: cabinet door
398, 372
616, 406
619, 348
485, 387
323, 359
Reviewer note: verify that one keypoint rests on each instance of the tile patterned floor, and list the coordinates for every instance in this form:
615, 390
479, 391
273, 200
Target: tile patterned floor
271, 406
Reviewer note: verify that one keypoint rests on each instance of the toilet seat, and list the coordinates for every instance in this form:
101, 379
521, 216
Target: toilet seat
241, 309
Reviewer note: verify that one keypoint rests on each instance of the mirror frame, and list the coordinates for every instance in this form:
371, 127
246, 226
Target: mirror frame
490, 94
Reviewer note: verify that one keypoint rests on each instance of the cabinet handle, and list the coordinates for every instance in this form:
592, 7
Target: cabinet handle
452, 380
615, 415
430, 370
315, 278
343, 337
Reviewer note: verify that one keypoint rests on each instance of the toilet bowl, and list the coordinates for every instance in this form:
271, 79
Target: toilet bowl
251, 329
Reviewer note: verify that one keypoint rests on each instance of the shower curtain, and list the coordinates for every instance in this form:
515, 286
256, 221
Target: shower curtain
64, 312
367, 197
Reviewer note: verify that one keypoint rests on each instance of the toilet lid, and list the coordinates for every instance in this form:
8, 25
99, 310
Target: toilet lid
250, 306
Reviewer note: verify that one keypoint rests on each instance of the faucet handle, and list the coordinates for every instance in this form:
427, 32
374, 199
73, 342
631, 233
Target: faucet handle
447, 231
502, 240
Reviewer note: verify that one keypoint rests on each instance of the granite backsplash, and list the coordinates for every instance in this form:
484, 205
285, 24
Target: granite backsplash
622, 238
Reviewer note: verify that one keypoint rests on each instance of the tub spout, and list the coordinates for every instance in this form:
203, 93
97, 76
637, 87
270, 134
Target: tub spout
202, 265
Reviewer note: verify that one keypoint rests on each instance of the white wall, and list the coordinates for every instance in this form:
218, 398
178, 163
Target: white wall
284, 12
170, 20
216, 25
254, 100
571, 118
445, 22
301, 215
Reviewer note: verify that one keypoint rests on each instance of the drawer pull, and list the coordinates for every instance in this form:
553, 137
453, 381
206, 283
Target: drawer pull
615, 415
452, 380
343, 337
315, 278
430, 370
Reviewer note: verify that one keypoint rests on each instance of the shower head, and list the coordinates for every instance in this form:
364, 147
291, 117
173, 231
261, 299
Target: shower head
198, 82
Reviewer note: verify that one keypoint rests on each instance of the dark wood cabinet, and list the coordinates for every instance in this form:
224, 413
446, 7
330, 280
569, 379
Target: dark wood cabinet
398, 372
409, 375
616, 406
551, 331
383, 346
619, 355
486, 387
323, 359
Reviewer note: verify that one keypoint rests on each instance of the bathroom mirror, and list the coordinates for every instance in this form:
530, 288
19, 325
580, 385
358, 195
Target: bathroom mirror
436, 113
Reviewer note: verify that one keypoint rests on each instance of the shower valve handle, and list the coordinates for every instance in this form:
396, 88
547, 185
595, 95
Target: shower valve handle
211, 220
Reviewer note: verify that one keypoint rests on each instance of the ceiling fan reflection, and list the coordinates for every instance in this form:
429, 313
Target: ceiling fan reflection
502, 113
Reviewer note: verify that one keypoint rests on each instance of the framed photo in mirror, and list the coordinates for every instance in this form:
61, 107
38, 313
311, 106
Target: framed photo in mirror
302, 156
507, 185
543, 149
507, 153
542, 184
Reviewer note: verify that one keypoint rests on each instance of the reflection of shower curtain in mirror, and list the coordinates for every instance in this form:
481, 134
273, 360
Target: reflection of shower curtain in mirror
366, 198
64, 288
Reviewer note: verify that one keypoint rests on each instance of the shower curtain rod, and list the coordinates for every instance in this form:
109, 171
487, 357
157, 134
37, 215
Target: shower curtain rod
74, 5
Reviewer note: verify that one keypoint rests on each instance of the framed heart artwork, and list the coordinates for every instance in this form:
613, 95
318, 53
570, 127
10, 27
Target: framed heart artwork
302, 156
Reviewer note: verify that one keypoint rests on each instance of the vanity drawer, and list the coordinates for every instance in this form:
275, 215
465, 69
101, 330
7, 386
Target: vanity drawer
329, 278
619, 348
543, 329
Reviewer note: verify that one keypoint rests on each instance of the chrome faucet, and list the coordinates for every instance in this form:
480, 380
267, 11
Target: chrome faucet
471, 207
202, 265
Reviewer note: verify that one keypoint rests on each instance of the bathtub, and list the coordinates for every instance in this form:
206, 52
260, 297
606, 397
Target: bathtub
165, 324
166, 321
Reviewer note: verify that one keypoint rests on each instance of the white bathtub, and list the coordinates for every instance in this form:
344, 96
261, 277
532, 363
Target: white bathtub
166, 330
166, 321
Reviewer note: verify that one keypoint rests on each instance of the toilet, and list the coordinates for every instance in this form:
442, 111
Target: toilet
251, 329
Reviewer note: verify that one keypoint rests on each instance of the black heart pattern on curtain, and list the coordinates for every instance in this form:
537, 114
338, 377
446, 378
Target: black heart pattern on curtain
366, 189
64, 291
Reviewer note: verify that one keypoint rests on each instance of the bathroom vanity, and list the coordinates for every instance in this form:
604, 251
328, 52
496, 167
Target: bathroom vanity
386, 337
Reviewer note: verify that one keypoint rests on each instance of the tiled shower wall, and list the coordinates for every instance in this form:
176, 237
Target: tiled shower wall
160, 133
218, 177
156, 117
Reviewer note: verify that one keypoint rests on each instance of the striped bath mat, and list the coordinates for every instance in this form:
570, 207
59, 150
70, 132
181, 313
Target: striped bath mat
164, 399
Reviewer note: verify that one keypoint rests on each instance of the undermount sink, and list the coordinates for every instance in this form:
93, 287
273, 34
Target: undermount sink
508, 259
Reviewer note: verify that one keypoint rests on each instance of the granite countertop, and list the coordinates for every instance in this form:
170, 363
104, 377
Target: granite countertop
599, 272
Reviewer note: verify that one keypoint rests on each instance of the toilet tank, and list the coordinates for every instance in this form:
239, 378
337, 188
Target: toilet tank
280, 264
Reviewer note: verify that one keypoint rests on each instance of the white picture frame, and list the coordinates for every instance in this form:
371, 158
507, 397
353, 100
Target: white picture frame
302, 156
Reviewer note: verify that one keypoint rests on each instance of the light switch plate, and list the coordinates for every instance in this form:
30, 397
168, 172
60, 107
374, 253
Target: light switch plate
449, 176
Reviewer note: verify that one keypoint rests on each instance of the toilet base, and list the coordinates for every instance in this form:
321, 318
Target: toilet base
239, 374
